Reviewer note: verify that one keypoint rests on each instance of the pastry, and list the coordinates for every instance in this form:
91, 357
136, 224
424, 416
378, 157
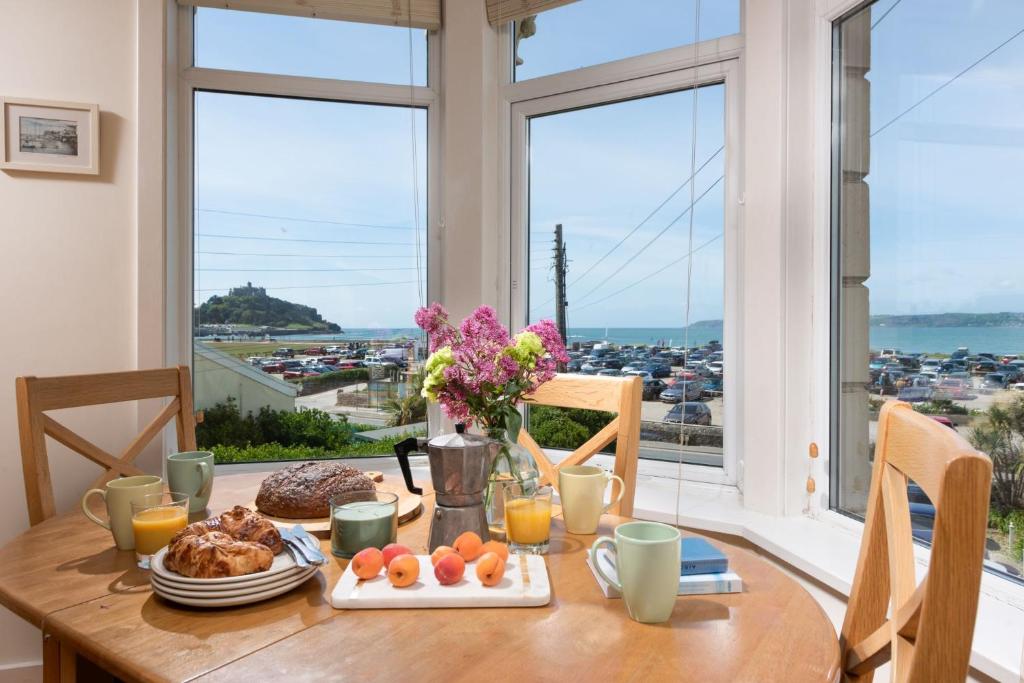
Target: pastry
245, 525
215, 554
303, 491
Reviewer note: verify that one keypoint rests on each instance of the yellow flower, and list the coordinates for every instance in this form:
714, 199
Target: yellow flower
435, 366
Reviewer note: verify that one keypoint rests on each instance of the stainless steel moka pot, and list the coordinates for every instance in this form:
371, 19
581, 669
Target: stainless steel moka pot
459, 466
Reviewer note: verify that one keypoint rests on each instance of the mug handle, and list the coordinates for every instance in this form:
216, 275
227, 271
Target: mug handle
603, 540
88, 512
207, 485
622, 491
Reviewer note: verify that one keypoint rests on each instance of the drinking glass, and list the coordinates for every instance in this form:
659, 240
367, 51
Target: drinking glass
363, 519
155, 519
527, 517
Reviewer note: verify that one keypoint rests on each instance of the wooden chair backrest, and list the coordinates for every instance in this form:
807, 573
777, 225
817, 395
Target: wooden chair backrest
928, 635
620, 395
37, 395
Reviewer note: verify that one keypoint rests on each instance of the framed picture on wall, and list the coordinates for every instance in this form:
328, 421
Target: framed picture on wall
49, 137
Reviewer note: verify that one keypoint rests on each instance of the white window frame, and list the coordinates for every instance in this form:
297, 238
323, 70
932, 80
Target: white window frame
191, 79
706, 63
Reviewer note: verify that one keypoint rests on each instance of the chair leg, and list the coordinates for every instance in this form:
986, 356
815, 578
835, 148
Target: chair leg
59, 661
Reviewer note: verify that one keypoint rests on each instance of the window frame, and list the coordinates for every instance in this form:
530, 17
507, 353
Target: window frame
709, 62
181, 145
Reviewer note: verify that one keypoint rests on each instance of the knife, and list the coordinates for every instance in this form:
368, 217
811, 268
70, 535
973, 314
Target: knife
314, 545
297, 548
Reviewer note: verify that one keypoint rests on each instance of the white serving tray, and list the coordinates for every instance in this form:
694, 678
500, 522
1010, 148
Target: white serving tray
513, 591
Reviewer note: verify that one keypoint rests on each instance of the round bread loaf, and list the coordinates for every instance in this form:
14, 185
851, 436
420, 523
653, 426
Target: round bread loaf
302, 491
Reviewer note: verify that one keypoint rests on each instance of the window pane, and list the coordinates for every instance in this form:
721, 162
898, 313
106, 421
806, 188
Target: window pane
307, 261
615, 177
592, 32
303, 46
927, 182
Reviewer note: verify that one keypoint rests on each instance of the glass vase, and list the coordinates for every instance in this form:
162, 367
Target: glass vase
513, 463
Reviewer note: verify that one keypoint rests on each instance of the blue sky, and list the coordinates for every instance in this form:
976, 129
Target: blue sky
946, 222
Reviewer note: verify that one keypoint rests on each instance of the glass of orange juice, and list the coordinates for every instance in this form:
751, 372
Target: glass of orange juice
527, 517
155, 519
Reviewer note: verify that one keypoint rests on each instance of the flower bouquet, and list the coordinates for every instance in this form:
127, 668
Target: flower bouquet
479, 374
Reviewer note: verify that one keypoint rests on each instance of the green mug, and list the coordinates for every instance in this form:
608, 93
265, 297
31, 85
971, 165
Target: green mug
647, 563
119, 495
191, 473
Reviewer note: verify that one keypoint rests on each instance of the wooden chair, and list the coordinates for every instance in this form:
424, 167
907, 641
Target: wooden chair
620, 395
928, 635
37, 395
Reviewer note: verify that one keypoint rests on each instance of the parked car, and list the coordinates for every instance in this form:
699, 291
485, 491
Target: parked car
315, 351
994, 380
642, 374
609, 372
292, 374
682, 391
985, 366
292, 364
652, 389
272, 367
943, 420
716, 367
915, 394
284, 352
658, 371
690, 413
334, 349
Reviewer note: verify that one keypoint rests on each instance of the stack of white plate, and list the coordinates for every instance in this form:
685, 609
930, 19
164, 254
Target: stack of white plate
283, 576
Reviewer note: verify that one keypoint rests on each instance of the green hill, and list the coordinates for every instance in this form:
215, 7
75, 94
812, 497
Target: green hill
951, 320
250, 306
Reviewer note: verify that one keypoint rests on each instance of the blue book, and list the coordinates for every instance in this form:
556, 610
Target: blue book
700, 557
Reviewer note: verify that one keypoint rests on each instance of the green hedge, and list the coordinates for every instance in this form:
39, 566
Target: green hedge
275, 452
223, 425
567, 428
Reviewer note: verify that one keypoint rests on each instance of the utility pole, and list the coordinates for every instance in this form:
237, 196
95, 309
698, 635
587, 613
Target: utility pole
560, 269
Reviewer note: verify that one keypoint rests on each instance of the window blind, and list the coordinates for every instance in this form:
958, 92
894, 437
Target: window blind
501, 11
424, 14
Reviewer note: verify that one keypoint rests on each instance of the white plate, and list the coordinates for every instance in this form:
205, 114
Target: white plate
525, 584
283, 562
237, 600
205, 592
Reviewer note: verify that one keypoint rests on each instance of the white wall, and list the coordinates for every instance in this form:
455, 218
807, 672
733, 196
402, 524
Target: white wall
68, 281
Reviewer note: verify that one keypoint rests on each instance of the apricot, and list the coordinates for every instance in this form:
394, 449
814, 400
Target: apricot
497, 547
441, 551
449, 569
490, 568
468, 544
367, 563
403, 571
393, 550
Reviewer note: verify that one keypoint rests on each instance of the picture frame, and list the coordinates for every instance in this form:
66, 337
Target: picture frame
47, 136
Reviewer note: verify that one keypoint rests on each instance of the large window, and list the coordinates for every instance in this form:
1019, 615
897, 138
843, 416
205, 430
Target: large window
615, 180
928, 239
592, 32
308, 237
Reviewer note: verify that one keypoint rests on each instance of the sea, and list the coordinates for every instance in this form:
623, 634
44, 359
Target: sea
999, 340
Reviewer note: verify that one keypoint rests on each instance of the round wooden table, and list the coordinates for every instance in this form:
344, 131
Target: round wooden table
65, 576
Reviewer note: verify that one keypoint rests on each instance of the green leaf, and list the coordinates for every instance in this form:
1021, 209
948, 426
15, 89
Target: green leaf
513, 423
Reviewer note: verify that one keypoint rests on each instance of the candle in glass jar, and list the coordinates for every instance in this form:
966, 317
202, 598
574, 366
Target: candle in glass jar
362, 524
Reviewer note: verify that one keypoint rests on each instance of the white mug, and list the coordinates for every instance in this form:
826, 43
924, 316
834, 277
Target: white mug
581, 490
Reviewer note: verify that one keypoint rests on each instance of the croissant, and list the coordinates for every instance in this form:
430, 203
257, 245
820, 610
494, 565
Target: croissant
215, 555
246, 525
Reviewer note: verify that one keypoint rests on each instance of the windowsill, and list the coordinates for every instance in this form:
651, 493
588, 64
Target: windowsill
824, 548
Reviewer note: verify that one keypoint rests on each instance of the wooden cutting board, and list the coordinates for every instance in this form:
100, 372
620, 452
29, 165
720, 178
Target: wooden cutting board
410, 505
525, 584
